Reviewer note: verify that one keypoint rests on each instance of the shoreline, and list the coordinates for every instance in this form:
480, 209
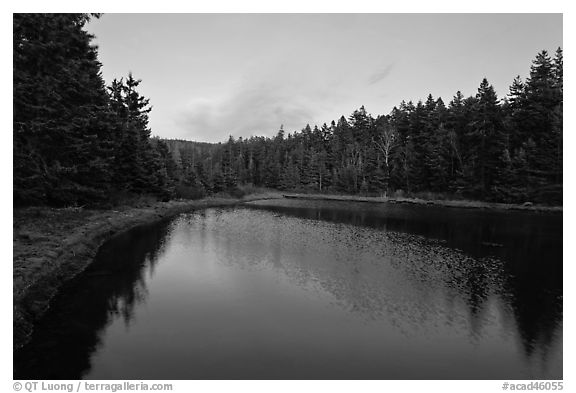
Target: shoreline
51, 246
464, 204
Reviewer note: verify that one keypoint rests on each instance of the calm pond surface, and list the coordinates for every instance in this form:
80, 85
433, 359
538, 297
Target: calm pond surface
288, 289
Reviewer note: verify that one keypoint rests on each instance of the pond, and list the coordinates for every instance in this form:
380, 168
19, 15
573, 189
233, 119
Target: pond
292, 289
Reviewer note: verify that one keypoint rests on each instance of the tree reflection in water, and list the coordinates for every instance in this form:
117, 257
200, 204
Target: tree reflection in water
111, 286
422, 270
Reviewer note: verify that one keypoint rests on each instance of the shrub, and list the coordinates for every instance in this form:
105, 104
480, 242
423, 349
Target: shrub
236, 192
189, 192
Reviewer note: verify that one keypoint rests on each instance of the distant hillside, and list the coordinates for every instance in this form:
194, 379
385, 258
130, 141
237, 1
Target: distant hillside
189, 149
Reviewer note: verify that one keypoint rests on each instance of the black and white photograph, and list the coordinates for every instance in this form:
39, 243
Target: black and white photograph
287, 196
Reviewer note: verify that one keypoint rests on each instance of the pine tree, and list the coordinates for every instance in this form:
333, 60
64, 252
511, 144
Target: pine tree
228, 172
486, 137
539, 121
62, 127
456, 125
133, 153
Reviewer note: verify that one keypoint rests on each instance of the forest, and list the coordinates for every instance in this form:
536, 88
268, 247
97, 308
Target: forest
80, 142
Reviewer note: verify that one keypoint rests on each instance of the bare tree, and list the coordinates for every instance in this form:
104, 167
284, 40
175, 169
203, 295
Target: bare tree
386, 140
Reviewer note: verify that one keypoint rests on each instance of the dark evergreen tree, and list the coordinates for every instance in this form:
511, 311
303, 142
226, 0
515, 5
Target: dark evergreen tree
76, 142
486, 141
61, 126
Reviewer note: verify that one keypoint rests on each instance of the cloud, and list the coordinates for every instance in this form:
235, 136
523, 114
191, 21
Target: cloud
278, 93
380, 75
255, 108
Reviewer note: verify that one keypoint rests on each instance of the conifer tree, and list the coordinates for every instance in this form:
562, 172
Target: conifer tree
61, 131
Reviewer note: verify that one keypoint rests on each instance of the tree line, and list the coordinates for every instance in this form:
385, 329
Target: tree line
478, 147
77, 141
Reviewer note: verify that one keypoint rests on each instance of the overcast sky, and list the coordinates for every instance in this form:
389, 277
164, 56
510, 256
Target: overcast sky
213, 75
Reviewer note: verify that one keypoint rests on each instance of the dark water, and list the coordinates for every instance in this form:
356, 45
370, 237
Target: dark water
314, 290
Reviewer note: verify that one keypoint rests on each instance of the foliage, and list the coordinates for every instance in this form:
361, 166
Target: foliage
77, 141
480, 147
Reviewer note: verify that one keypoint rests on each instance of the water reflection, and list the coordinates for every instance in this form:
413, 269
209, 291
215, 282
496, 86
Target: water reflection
319, 290
526, 249
109, 289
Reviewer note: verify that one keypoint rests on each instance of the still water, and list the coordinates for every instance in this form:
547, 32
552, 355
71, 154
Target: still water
289, 289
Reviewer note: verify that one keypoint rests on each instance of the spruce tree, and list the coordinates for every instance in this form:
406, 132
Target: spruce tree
486, 137
61, 126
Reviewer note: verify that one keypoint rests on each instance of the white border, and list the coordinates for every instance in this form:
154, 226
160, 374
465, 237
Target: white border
307, 6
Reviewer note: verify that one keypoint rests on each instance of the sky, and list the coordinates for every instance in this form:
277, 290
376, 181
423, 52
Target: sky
209, 76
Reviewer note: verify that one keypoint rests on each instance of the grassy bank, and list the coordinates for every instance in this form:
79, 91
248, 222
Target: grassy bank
53, 245
466, 204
